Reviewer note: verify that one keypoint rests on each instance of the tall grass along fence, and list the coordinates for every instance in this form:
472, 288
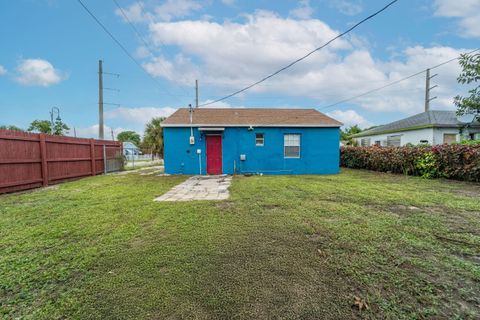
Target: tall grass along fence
29, 160
455, 161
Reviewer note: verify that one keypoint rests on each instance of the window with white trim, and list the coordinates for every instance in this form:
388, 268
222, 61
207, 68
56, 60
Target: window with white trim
259, 139
291, 145
365, 142
394, 141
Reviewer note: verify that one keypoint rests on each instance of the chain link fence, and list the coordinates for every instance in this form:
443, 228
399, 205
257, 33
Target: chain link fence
114, 160
134, 158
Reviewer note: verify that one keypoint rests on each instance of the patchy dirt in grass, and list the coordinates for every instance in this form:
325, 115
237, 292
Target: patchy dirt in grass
474, 258
225, 205
273, 275
401, 210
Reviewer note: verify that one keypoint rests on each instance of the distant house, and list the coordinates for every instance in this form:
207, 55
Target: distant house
251, 140
430, 127
130, 151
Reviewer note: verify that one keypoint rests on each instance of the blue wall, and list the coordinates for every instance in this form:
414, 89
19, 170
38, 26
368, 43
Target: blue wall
319, 151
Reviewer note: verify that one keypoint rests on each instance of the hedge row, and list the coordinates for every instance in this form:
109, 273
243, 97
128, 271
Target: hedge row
455, 161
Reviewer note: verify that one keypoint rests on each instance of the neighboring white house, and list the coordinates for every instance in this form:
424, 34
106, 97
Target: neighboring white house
131, 151
431, 127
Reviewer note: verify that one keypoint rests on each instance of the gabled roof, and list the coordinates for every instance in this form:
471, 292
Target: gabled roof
428, 119
245, 117
129, 145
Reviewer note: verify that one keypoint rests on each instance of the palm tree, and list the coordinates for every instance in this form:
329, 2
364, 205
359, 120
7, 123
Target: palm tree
153, 138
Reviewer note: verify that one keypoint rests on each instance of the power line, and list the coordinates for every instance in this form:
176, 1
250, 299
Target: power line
395, 82
304, 57
122, 46
142, 38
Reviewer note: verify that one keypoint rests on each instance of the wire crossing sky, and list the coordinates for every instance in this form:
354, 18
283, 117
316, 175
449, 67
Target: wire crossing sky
301, 58
370, 76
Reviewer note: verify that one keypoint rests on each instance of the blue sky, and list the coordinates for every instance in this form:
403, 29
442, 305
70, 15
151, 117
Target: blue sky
50, 50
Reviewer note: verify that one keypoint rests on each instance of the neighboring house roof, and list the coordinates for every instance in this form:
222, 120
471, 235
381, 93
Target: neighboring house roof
428, 119
129, 145
245, 117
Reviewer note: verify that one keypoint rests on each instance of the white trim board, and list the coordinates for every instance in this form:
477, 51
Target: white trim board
203, 125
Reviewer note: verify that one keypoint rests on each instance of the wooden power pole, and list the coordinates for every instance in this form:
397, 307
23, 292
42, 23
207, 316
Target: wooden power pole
100, 101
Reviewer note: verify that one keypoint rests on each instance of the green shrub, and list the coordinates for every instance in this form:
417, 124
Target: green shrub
455, 161
470, 142
427, 166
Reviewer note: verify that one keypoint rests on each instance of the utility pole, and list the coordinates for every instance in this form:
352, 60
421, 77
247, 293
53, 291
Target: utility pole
196, 93
100, 101
113, 138
427, 90
74, 132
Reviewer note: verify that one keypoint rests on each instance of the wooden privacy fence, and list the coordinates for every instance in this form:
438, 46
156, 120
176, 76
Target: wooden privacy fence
29, 160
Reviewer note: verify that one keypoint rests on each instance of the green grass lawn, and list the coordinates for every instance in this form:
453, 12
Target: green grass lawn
290, 247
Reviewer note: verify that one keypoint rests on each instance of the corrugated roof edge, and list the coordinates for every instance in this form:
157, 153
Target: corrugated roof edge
366, 134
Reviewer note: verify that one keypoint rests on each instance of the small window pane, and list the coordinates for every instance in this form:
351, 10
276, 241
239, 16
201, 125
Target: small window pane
259, 139
394, 141
449, 138
291, 145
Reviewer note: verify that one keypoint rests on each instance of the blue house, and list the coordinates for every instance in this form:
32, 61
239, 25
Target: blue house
250, 140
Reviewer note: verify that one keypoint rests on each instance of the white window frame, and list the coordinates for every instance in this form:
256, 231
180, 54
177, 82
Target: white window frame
262, 138
394, 138
290, 140
365, 142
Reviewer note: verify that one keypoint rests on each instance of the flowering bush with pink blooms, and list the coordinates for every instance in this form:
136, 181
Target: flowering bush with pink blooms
455, 161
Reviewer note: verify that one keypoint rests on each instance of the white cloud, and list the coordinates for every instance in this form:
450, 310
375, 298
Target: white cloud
139, 115
408, 95
180, 70
468, 11
349, 8
134, 13
92, 132
350, 118
303, 11
167, 11
230, 55
2, 70
235, 53
142, 52
38, 72
176, 9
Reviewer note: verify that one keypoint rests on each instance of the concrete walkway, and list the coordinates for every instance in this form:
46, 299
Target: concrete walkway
199, 188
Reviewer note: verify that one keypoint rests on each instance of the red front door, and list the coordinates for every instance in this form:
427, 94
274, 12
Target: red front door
214, 154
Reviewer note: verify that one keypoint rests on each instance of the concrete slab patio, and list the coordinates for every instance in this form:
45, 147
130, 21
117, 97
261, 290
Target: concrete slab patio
199, 188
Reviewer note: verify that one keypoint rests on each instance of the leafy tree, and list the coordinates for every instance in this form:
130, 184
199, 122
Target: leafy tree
11, 127
42, 126
346, 135
470, 74
129, 136
153, 137
60, 128
45, 126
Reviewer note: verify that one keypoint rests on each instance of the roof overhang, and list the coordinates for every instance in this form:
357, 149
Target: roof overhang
211, 129
204, 126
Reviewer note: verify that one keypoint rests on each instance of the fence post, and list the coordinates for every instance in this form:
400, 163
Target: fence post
104, 159
92, 156
43, 156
